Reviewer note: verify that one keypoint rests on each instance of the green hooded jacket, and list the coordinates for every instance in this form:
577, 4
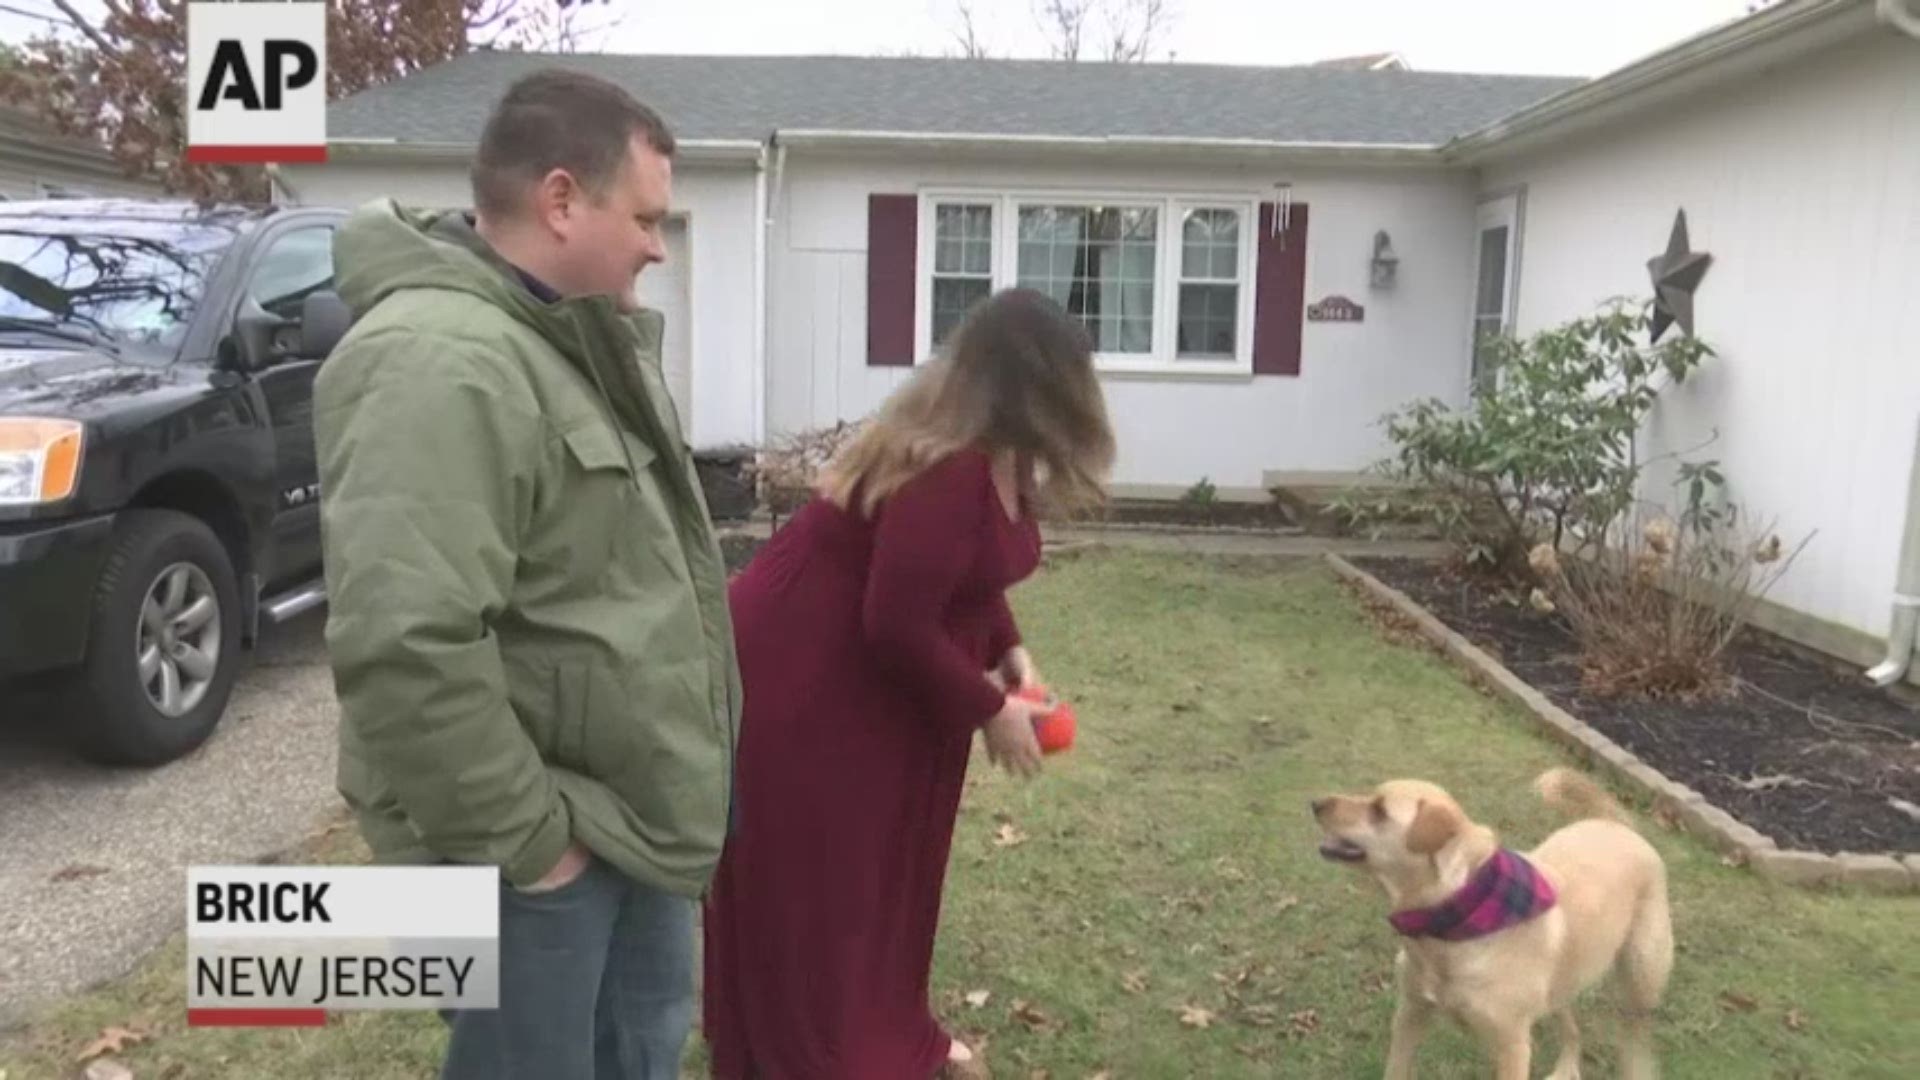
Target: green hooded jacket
528, 617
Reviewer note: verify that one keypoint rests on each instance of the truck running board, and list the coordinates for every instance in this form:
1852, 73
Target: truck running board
294, 601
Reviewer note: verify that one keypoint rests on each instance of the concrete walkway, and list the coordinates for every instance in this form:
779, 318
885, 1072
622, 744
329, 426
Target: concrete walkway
1207, 542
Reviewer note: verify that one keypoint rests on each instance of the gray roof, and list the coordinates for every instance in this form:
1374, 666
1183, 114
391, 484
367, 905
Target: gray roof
741, 97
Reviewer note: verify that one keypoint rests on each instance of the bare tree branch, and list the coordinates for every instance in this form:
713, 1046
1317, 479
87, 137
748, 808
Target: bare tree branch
81, 24
1064, 22
1133, 26
967, 35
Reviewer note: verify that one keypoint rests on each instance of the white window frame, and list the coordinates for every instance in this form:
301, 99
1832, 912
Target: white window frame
1161, 361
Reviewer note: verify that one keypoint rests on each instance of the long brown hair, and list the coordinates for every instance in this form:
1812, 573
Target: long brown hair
1017, 375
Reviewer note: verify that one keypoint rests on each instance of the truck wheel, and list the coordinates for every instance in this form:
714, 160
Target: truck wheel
163, 646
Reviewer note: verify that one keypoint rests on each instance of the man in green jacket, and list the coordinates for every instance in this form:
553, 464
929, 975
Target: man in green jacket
529, 629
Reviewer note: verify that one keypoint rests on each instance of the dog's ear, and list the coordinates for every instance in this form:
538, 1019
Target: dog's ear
1434, 824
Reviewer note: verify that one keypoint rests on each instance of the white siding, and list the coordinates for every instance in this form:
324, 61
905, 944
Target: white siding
1804, 185
1171, 430
718, 205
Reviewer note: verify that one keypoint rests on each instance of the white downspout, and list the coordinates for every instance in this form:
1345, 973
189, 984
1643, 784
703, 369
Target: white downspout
769, 209
1897, 14
760, 297
1906, 588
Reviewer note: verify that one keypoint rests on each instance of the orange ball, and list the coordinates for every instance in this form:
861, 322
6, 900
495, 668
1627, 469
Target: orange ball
1054, 728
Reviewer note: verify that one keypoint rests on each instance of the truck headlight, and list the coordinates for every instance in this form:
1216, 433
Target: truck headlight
39, 460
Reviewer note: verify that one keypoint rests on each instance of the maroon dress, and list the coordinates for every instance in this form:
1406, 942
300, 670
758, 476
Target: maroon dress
863, 649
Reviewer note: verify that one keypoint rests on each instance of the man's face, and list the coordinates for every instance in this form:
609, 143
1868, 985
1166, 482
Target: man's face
607, 240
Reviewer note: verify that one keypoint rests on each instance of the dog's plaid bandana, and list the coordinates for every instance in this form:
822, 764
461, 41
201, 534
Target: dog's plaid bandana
1507, 891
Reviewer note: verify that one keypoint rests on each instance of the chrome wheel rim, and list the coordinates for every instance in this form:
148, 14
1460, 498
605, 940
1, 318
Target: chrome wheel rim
177, 645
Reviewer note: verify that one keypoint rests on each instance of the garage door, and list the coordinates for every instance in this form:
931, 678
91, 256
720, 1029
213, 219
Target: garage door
663, 287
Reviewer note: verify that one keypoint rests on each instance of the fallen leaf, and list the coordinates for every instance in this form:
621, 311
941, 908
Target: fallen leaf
107, 1069
978, 998
1194, 1016
1261, 1015
1008, 835
1768, 783
1134, 982
1665, 816
1905, 807
1027, 1014
1795, 1021
1303, 1023
79, 871
1039, 1074
113, 1040
1286, 904
1101, 1075
1732, 1000
1378, 982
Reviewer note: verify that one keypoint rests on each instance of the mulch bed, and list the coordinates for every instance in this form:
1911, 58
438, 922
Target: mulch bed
1804, 751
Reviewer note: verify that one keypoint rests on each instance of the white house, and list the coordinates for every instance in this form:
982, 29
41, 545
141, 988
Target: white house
37, 162
1271, 259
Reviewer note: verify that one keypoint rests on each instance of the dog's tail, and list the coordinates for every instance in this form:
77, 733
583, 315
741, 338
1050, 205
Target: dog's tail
1577, 795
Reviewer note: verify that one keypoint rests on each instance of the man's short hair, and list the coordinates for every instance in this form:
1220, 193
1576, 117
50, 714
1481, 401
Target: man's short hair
559, 119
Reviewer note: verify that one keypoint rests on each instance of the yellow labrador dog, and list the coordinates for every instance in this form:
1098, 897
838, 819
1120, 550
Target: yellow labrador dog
1498, 940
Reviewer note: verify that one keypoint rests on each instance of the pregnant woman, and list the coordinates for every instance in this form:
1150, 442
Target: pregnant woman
875, 640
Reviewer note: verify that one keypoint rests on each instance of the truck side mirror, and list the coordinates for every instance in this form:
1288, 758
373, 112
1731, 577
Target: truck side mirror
257, 340
324, 320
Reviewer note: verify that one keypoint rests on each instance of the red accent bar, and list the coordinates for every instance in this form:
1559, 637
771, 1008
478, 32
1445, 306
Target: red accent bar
256, 155
256, 1018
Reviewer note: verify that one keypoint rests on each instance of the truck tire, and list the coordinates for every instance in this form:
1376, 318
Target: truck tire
163, 644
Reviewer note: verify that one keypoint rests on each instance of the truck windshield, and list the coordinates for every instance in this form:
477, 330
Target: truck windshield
125, 277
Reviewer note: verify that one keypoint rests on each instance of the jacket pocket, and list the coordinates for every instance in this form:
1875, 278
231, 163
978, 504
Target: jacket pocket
595, 447
599, 501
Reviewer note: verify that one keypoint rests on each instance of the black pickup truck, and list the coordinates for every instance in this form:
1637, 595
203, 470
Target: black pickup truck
158, 495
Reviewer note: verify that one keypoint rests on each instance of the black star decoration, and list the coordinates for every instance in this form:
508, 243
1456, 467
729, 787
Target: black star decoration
1676, 274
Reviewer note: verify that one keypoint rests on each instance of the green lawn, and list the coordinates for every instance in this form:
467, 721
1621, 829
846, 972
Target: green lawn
1166, 866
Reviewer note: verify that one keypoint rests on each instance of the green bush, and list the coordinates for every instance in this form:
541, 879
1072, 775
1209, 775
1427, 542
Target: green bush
1545, 450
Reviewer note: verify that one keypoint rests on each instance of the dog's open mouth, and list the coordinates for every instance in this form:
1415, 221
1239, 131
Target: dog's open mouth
1342, 851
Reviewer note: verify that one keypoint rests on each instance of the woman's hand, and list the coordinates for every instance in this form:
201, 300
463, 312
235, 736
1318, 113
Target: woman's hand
1016, 669
1011, 742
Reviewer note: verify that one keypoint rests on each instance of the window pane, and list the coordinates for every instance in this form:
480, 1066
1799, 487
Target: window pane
1210, 245
952, 297
963, 239
298, 264
1098, 263
1033, 260
946, 256
977, 256
1209, 321
1491, 299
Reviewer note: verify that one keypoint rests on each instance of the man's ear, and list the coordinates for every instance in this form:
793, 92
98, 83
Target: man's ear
1434, 824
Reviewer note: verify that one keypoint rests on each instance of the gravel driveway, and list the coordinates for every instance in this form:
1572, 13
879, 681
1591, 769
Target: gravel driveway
93, 860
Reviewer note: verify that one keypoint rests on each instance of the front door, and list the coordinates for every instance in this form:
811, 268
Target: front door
1496, 247
294, 264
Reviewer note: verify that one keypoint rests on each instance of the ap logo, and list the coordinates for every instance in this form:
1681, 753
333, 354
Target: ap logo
257, 82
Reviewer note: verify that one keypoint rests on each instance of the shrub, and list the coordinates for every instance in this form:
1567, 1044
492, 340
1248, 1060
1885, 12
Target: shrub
1657, 602
1202, 493
1545, 452
784, 471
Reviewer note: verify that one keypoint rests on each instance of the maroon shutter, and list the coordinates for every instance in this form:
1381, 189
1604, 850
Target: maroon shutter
892, 235
1280, 292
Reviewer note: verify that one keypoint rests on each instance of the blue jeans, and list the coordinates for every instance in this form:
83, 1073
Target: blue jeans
596, 983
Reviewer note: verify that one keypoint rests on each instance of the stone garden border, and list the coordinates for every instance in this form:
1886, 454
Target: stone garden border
1878, 873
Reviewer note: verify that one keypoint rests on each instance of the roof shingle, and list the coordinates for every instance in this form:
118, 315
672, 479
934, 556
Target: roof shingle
743, 97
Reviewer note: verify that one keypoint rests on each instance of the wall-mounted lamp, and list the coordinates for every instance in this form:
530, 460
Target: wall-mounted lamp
1385, 262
